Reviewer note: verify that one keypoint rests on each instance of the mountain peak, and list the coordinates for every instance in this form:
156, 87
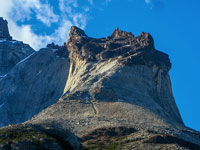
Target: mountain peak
146, 39
121, 34
4, 33
76, 32
121, 46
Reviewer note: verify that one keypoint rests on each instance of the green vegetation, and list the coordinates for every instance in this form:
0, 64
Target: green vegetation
105, 144
23, 135
101, 146
107, 138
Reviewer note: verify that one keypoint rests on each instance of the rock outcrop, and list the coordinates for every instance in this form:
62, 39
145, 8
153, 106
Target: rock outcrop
4, 33
11, 51
115, 94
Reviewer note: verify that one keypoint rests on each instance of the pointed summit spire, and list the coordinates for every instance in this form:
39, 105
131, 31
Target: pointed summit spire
75, 31
120, 34
4, 33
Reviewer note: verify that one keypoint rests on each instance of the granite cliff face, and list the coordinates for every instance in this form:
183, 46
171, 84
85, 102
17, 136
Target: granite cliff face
29, 81
120, 72
113, 93
32, 85
11, 51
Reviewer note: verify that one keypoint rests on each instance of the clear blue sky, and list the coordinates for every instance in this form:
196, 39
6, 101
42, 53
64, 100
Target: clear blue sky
175, 26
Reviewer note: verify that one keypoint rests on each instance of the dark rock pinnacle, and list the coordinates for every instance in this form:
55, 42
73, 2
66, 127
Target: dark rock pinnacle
4, 33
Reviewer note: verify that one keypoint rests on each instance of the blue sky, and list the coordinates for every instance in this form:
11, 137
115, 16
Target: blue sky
175, 26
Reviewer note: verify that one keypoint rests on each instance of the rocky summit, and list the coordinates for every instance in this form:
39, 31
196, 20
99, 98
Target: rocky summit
109, 93
4, 33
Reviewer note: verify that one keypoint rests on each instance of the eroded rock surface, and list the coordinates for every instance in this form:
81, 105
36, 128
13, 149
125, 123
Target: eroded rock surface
32, 85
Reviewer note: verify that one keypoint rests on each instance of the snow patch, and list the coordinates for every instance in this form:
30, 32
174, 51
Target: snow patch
83, 36
120, 100
127, 45
1, 105
14, 42
54, 50
38, 73
3, 40
25, 59
3, 76
86, 98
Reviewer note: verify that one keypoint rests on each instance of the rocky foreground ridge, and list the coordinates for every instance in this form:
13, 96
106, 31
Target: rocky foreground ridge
107, 93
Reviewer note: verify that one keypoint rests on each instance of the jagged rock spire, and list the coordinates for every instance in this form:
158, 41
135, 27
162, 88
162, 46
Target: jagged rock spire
76, 32
146, 39
121, 34
4, 33
121, 45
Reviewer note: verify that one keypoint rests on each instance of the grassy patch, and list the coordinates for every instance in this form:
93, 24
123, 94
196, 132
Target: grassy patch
21, 135
110, 138
103, 146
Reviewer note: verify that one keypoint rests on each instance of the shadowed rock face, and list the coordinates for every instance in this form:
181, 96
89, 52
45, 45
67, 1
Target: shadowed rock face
32, 85
11, 51
4, 33
29, 81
